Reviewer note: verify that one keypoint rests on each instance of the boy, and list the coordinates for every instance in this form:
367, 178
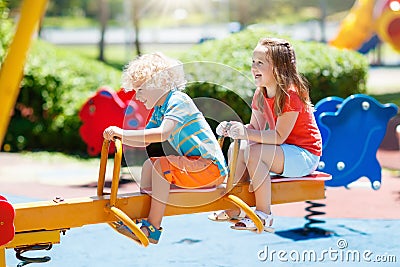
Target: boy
158, 82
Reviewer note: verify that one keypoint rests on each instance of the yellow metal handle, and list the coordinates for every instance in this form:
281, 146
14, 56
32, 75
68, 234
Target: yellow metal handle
232, 166
249, 212
143, 240
116, 172
103, 167
221, 141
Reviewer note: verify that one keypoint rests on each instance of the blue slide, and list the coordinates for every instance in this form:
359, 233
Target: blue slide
369, 45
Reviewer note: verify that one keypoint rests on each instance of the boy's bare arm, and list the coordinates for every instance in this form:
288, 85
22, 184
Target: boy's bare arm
134, 143
147, 136
141, 138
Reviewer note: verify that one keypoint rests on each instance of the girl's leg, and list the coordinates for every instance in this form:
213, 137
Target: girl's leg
241, 170
261, 159
160, 193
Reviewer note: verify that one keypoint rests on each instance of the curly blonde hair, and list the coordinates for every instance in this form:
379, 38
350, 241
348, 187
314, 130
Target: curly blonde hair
154, 70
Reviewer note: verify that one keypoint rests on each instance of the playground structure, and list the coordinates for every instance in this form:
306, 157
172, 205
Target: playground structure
357, 122
108, 107
38, 225
42, 222
368, 23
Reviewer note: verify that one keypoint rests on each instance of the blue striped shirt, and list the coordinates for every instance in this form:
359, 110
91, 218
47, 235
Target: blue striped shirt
192, 135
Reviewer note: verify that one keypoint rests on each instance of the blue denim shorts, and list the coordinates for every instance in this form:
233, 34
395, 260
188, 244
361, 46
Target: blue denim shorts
298, 161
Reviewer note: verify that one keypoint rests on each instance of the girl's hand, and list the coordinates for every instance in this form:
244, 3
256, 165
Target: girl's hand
223, 128
237, 130
111, 132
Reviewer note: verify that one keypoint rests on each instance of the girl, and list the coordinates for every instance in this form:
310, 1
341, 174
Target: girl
291, 146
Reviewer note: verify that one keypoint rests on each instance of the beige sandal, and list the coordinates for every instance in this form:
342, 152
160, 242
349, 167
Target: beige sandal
222, 216
247, 224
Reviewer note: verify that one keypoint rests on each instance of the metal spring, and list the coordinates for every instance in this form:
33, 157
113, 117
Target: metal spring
27, 260
313, 213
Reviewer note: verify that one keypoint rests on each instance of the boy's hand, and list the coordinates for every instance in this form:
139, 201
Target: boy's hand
111, 132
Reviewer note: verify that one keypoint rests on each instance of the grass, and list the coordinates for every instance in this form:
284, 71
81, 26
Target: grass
115, 55
118, 55
388, 98
152, 21
69, 22
44, 156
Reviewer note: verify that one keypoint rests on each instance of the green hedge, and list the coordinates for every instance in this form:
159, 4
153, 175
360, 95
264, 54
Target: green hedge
55, 85
330, 71
5, 29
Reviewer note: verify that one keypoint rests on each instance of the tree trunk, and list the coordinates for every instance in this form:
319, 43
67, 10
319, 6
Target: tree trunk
103, 16
136, 26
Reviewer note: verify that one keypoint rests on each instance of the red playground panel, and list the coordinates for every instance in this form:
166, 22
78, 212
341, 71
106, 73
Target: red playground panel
109, 108
315, 176
7, 215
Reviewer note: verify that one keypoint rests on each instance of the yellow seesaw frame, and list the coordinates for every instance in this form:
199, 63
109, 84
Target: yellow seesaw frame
42, 222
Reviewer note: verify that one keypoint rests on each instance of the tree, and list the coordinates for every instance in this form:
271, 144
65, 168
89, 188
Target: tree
103, 17
133, 11
136, 25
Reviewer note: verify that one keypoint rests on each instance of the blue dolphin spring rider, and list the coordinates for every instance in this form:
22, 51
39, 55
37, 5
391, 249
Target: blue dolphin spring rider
352, 130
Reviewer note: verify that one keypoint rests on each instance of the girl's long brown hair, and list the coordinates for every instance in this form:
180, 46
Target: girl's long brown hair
283, 58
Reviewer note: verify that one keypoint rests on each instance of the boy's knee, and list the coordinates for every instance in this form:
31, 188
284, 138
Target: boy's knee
156, 166
147, 165
150, 166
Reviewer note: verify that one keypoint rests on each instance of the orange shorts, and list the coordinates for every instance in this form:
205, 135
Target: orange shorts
190, 172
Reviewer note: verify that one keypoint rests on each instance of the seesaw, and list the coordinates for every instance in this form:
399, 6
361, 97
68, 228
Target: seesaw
38, 225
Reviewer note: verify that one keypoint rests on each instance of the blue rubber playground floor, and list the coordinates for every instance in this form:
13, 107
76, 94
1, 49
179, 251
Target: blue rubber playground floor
193, 240
365, 226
